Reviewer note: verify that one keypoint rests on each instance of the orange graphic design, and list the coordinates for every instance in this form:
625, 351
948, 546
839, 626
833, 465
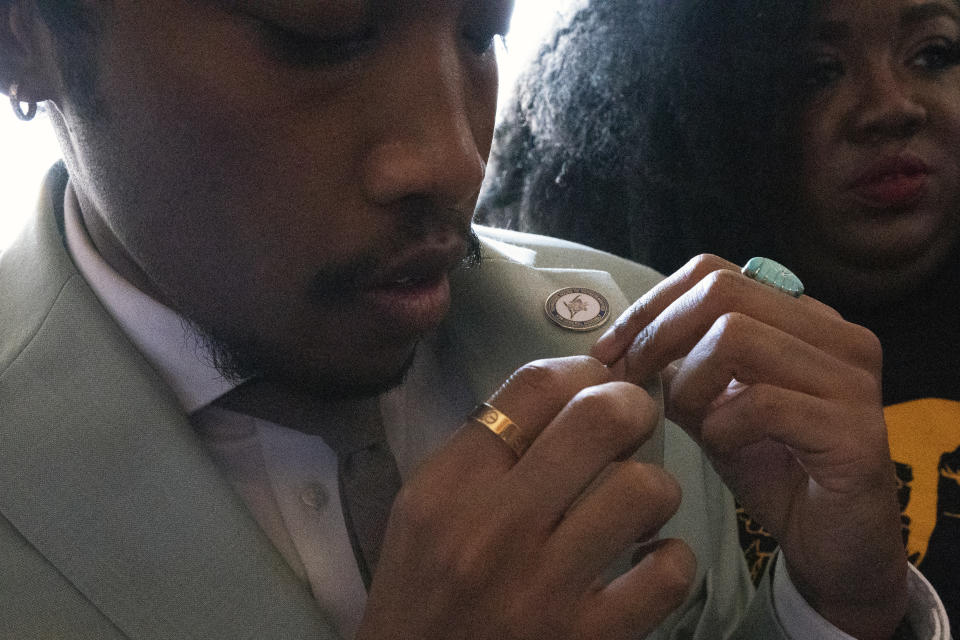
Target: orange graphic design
758, 545
925, 442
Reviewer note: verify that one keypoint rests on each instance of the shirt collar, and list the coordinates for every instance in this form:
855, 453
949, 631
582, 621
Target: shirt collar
161, 335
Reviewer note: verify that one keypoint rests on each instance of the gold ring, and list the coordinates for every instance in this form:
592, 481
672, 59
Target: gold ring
502, 426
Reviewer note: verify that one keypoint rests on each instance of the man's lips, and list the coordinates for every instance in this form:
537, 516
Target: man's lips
423, 263
892, 182
412, 294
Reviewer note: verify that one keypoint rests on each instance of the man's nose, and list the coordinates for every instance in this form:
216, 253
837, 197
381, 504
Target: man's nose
887, 106
435, 132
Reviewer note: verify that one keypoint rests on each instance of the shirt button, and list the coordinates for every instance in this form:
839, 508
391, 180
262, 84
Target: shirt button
314, 496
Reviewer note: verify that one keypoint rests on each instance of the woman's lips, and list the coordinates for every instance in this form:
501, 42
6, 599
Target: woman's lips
892, 183
894, 191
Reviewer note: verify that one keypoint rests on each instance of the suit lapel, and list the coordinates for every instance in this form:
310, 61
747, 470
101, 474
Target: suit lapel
101, 472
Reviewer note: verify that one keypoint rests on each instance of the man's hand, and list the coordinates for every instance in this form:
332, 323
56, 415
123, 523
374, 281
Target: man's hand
784, 396
483, 545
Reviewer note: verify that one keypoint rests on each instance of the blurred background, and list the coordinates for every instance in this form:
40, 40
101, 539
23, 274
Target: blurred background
30, 147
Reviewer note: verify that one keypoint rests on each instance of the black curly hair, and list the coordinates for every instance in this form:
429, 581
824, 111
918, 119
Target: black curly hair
654, 129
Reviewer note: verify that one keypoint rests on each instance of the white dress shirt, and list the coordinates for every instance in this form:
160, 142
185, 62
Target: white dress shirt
288, 479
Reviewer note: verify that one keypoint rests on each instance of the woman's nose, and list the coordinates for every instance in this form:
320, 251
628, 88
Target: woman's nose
887, 106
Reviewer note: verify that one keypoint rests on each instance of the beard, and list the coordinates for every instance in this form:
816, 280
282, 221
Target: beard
243, 356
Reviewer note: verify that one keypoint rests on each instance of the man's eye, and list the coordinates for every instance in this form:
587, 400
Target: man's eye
304, 49
481, 40
937, 56
823, 71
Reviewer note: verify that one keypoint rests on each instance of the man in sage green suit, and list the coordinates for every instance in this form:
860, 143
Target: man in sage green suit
115, 520
293, 183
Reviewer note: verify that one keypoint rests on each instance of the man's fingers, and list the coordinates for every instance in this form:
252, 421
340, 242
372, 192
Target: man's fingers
674, 332
600, 424
531, 397
612, 344
632, 502
688, 303
634, 604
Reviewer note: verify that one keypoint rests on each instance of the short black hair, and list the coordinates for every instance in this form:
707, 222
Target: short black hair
655, 129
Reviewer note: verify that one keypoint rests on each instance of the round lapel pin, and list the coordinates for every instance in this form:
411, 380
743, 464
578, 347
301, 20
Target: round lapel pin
577, 308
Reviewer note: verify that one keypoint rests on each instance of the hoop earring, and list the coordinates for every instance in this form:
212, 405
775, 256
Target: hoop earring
17, 104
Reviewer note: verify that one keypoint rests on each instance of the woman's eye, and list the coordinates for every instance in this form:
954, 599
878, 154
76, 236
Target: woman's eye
823, 71
937, 56
304, 49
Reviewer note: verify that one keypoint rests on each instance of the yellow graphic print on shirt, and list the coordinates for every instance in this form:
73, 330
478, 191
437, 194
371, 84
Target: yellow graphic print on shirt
925, 443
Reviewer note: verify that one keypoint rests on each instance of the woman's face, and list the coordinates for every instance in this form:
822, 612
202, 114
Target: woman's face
880, 142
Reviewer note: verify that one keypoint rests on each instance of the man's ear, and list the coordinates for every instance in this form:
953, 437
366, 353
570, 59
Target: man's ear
24, 51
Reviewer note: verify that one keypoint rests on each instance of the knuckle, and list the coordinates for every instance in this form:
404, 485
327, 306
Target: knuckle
724, 280
592, 367
540, 377
595, 401
466, 563
732, 325
614, 426
705, 263
871, 351
721, 289
554, 377
731, 333
867, 383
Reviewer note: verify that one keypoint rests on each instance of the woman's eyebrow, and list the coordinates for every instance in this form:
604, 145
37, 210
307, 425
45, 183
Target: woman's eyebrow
834, 31
918, 13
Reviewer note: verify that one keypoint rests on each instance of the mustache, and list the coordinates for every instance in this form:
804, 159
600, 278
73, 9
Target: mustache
415, 224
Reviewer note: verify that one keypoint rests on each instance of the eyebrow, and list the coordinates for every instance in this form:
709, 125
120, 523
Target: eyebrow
831, 31
915, 14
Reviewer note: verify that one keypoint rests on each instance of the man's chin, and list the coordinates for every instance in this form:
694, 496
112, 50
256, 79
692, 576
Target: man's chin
246, 359
347, 386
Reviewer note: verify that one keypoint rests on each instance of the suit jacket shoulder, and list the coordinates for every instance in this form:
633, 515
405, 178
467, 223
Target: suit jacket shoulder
634, 279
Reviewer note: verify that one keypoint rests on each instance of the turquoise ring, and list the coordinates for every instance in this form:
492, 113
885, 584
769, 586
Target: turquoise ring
774, 274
